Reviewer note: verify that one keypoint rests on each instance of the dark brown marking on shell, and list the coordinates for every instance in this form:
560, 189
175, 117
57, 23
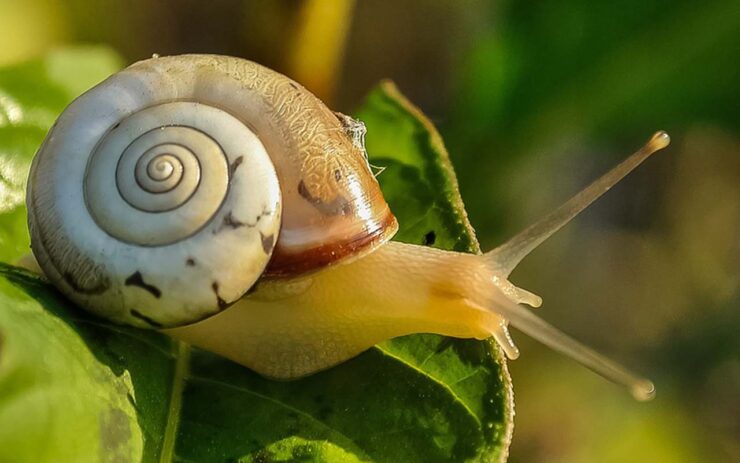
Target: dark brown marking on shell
137, 280
219, 300
265, 213
100, 286
190, 262
293, 84
268, 243
337, 175
339, 206
230, 221
429, 238
146, 319
118, 124
289, 265
235, 165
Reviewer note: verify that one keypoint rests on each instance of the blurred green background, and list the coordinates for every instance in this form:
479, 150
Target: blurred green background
534, 99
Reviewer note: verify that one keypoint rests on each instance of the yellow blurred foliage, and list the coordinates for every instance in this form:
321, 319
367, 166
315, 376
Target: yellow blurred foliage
29, 28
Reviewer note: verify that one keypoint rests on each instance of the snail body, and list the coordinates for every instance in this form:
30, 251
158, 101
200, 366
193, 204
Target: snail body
224, 204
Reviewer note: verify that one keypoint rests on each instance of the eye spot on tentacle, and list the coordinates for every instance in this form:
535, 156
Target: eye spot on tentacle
137, 280
190, 262
429, 238
135, 313
219, 300
268, 242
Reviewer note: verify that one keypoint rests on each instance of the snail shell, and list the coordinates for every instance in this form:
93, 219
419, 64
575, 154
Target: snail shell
163, 194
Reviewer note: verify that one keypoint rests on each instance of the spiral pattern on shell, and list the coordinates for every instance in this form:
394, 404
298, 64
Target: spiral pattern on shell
150, 211
174, 177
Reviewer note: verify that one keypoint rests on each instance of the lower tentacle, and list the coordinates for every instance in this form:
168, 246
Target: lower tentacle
523, 319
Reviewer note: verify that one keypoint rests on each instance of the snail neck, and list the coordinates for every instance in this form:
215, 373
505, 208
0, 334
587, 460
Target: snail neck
291, 328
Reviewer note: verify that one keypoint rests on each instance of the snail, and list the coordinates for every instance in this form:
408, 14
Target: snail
222, 203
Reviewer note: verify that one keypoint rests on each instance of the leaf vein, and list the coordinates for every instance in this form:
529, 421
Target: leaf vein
436, 380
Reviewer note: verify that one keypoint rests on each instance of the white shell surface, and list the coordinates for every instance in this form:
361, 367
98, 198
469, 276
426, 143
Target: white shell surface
186, 205
150, 209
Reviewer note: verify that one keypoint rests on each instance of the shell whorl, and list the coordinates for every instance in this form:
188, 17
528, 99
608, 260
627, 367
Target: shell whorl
173, 177
149, 211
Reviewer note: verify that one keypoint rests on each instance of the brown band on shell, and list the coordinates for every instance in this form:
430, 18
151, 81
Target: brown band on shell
285, 265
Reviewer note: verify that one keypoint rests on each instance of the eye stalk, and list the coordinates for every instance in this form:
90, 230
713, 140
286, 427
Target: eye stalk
508, 255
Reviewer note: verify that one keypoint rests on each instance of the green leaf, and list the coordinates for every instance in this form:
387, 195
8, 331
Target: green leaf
417, 177
75, 388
